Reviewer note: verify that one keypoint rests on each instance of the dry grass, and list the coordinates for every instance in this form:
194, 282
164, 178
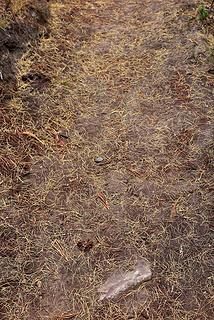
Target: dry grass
124, 82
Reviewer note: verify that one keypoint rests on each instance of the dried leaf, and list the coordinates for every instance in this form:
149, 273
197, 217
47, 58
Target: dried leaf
85, 246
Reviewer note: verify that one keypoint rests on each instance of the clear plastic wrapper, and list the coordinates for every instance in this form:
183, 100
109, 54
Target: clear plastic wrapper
122, 281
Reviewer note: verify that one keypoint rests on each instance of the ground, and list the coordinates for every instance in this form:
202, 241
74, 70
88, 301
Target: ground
131, 82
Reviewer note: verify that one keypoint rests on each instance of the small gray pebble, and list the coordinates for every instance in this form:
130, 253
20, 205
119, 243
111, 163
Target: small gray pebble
64, 134
98, 159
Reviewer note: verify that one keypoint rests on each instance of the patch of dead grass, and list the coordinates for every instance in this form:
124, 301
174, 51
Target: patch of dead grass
147, 110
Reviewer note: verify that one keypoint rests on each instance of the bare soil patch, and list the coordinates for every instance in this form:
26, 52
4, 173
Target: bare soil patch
128, 82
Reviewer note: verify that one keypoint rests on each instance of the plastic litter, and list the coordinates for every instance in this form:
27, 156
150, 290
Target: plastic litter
122, 281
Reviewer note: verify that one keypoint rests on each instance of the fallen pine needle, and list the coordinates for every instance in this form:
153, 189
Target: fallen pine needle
102, 197
134, 172
173, 213
66, 316
32, 135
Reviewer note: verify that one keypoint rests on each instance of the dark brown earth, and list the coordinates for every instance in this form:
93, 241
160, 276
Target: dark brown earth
130, 82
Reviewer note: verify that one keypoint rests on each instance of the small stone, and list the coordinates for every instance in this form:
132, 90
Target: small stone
211, 71
64, 134
39, 283
99, 159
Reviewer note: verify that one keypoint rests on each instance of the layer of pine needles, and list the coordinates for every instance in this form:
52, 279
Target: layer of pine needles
128, 82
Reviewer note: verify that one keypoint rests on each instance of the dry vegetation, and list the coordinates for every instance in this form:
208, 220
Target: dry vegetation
130, 81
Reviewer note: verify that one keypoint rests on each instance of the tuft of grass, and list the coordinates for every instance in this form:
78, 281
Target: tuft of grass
203, 13
18, 5
4, 22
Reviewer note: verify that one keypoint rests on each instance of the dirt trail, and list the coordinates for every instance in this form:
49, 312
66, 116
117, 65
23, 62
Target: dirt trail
126, 85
